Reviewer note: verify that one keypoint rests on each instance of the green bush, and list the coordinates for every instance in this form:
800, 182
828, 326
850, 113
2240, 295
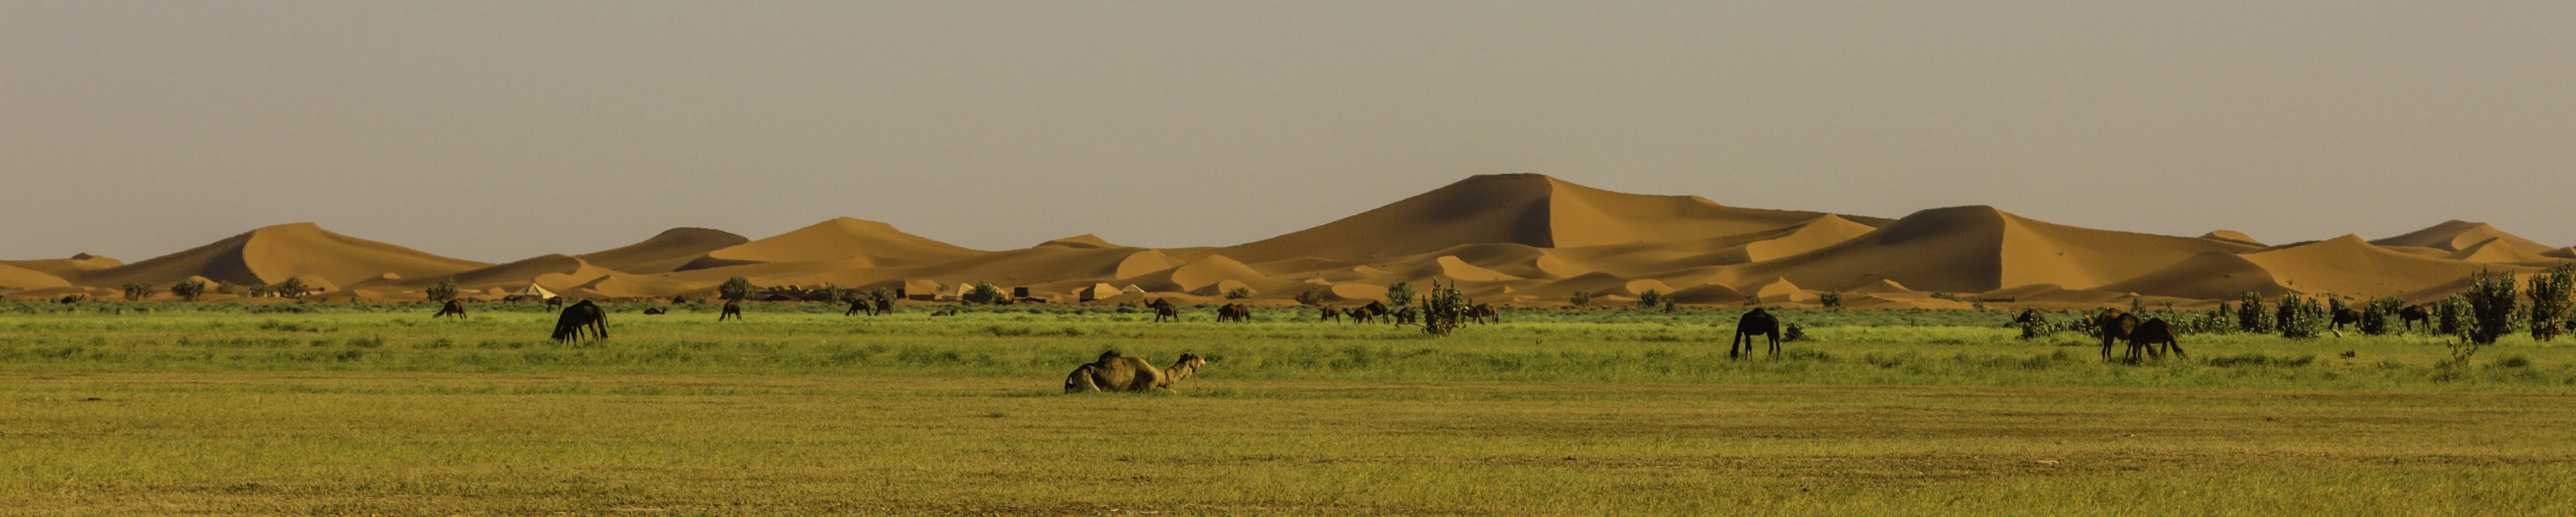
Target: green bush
1831, 299
1650, 298
2299, 317
2380, 316
736, 288
1312, 297
2491, 307
291, 288
1238, 293
2250, 316
137, 291
986, 293
1581, 298
1400, 294
2549, 300
1443, 309
189, 289
444, 291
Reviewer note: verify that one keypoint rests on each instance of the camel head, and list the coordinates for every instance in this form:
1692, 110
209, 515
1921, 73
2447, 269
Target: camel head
1187, 366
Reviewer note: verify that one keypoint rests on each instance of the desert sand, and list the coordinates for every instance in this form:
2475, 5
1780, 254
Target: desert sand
1515, 239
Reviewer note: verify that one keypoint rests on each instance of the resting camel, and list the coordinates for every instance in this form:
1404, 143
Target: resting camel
1329, 314
1163, 309
453, 308
1114, 372
942, 313
77, 298
2150, 335
2343, 317
2415, 313
676, 300
1754, 323
2114, 326
580, 317
732, 309
1406, 316
656, 311
1234, 312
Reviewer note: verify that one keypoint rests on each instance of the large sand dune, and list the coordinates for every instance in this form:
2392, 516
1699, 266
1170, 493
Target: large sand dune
1511, 238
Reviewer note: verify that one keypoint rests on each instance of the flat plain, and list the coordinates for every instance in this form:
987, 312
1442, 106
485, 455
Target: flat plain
337, 409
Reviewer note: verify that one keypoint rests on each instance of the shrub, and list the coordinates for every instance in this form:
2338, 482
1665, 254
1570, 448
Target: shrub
2379, 316
1831, 300
2451, 315
189, 289
2491, 307
1581, 298
1650, 298
444, 291
736, 288
2299, 317
2250, 316
1312, 297
1401, 293
986, 293
137, 291
1238, 293
1792, 332
1443, 309
2549, 300
291, 288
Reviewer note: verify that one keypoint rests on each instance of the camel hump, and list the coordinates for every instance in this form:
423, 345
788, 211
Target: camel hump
1112, 354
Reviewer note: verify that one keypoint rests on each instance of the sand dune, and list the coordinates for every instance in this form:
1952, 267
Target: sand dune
664, 252
273, 254
1509, 238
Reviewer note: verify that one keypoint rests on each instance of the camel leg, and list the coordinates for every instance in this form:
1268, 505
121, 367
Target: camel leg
1730, 344
2177, 349
1775, 343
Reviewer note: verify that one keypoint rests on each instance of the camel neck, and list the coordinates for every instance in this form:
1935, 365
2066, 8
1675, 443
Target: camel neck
1181, 371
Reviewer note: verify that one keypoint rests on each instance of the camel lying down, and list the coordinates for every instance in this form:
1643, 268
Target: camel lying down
1114, 372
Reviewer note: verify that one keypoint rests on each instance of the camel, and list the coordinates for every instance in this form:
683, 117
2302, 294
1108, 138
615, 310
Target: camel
1375, 309
1757, 322
1484, 313
2029, 316
1234, 312
1406, 316
2113, 325
1163, 309
2413, 314
1329, 314
1359, 315
77, 298
942, 313
453, 308
1114, 372
656, 311
676, 300
870, 306
580, 317
732, 309
2343, 317
2149, 336
554, 301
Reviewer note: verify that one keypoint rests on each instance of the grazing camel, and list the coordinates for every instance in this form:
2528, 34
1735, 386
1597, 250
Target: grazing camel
1114, 372
1375, 309
1484, 313
1757, 322
2113, 325
453, 308
1234, 312
1358, 315
2149, 336
1328, 314
656, 311
676, 300
2029, 316
1163, 309
2413, 314
732, 309
578, 318
2343, 317
1406, 316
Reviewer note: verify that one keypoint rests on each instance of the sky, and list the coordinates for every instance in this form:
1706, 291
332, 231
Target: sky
495, 131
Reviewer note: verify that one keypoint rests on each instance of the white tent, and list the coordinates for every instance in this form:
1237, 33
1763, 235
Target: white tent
535, 290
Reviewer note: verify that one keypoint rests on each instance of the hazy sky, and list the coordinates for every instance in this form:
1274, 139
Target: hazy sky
499, 130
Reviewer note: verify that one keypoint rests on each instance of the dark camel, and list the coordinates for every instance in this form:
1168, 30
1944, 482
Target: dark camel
1483, 313
2153, 337
554, 301
942, 313
2029, 316
2345, 316
1359, 315
732, 309
1163, 309
453, 308
2114, 326
1328, 314
859, 305
2413, 314
1754, 323
1406, 316
1234, 312
580, 317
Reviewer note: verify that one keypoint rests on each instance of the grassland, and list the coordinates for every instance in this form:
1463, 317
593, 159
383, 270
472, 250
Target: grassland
113, 409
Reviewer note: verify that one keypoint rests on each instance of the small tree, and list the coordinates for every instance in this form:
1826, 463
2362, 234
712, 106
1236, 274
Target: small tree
1401, 293
1312, 297
2549, 300
1651, 298
2298, 317
291, 288
1443, 308
1238, 293
986, 293
137, 291
189, 289
444, 291
2250, 315
2451, 316
2378, 317
1831, 300
1581, 298
2491, 307
223, 287
736, 289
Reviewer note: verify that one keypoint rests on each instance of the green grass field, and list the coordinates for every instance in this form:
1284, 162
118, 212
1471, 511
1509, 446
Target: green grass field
113, 409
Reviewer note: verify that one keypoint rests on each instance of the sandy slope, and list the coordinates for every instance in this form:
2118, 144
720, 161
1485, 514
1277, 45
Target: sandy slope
1526, 209
276, 253
664, 252
23, 279
2456, 235
1978, 249
836, 240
